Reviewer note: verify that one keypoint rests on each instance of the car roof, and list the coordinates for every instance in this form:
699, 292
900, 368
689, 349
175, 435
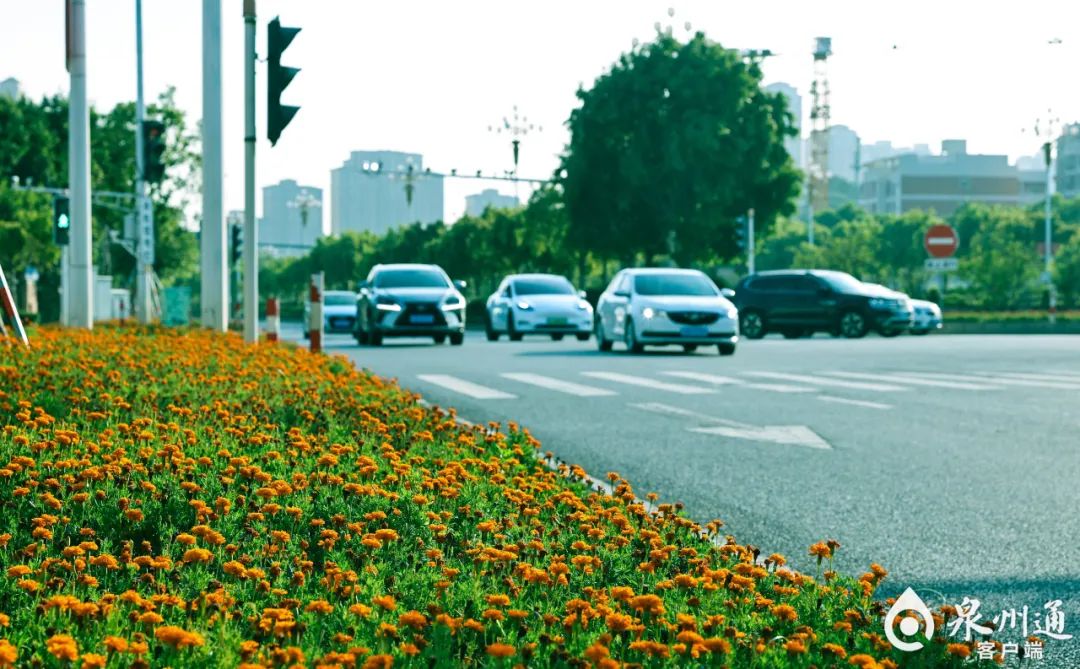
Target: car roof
535, 275
406, 265
661, 270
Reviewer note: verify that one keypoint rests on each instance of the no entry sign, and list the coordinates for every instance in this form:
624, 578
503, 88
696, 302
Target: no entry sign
941, 241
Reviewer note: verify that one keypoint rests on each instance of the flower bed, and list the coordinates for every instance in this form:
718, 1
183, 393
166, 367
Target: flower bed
177, 498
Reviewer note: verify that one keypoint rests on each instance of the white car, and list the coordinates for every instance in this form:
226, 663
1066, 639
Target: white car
544, 304
927, 317
339, 312
643, 307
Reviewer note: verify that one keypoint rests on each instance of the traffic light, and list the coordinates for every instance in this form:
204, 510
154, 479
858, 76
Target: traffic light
740, 232
61, 221
236, 245
278, 77
153, 151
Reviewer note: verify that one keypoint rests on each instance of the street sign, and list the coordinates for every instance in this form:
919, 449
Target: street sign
942, 264
941, 241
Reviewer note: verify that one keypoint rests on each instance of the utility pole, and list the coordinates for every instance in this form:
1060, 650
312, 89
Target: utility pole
144, 211
80, 291
215, 277
750, 241
251, 232
1048, 154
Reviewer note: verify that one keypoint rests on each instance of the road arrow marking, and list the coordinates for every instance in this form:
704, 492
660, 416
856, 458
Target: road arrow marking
793, 435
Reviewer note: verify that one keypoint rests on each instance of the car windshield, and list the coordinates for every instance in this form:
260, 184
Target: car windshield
674, 284
543, 287
339, 299
410, 278
842, 282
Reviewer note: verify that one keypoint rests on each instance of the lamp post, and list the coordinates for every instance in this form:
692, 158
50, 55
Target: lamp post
1045, 130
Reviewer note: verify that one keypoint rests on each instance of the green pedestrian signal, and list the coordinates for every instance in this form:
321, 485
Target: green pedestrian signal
61, 221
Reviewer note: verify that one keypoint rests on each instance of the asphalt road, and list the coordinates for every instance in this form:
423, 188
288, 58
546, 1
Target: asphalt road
950, 460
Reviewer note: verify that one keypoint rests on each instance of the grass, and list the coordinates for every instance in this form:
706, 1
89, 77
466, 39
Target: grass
1022, 316
177, 498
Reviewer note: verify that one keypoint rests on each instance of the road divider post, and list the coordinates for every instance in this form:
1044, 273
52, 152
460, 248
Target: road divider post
315, 316
273, 320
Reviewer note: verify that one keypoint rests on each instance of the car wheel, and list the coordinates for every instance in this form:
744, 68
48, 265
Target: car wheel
583, 336
602, 342
439, 339
630, 338
457, 339
556, 337
689, 348
489, 330
511, 332
889, 332
361, 336
375, 339
853, 325
726, 349
752, 325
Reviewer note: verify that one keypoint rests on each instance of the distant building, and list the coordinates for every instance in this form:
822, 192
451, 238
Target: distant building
9, 88
943, 183
868, 153
369, 192
843, 153
794, 100
489, 197
292, 218
1068, 161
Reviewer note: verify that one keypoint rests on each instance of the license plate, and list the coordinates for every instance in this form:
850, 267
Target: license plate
419, 319
696, 331
556, 321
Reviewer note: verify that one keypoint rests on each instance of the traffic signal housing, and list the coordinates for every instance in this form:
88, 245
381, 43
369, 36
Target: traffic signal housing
236, 244
61, 221
153, 151
740, 233
278, 38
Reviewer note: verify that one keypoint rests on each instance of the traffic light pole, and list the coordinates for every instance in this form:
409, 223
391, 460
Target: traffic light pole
144, 211
214, 255
750, 241
251, 232
80, 285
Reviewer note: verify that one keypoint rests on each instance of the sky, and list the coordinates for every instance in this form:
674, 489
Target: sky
432, 76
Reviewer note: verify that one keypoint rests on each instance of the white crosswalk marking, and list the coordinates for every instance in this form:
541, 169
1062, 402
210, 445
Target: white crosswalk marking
558, 385
836, 383
937, 383
717, 380
988, 378
465, 387
1053, 378
859, 403
646, 382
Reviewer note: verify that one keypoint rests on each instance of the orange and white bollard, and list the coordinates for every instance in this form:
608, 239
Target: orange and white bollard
315, 317
273, 320
7, 302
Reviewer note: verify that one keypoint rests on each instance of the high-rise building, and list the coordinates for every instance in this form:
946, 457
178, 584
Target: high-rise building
370, 191
843, 153
794, 100
292, 218
9, 88
1068, 161
489, 197
945, 182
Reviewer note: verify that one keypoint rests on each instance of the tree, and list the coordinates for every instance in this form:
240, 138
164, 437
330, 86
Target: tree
1067, 271
669, 147
1000, 261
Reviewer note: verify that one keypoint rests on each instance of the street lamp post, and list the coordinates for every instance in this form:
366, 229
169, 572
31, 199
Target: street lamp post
1045, 129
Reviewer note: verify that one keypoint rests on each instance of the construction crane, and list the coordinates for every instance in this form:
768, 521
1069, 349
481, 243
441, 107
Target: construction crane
818, 169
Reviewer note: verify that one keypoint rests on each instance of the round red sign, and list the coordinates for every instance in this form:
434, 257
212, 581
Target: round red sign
941, 241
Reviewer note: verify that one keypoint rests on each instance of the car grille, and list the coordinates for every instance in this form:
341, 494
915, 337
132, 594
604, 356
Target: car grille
422, 309
341, 322
693, 317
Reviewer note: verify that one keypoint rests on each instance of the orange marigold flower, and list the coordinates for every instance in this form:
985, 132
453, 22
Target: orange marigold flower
115, 644
93, 661
134, 515
379, 662
795, 647
497, 600
501, 650
385, 601
151, 618
836, 650
785, 612
62, 647
821, 550
958, 649
185, 539
4, 620
197, 555
410, 649
177, 637
413, 619
648, 604
360, 610
320, 606
18, 570
717, 645
8, 653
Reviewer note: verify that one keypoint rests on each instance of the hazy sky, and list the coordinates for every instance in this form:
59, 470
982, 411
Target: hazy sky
430, 76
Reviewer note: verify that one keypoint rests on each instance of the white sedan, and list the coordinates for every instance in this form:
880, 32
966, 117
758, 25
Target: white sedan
927, 317
538, 304
642, 307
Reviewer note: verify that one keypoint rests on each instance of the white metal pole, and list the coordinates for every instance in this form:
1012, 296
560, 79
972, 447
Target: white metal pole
750, 241
215, 277
1049, 250
81, 270
65, 286
144, 211
251, 232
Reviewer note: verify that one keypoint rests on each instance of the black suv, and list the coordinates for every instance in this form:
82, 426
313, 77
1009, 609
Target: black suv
797, 303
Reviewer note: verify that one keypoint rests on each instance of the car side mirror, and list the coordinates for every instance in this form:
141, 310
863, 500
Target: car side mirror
621, 293
460, 285
581, 294
727, 292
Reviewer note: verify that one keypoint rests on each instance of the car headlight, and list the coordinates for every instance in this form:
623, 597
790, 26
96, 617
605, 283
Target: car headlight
583, 305
386, 304
649, 312
523, 305
732, 313
454, 302
880, 303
